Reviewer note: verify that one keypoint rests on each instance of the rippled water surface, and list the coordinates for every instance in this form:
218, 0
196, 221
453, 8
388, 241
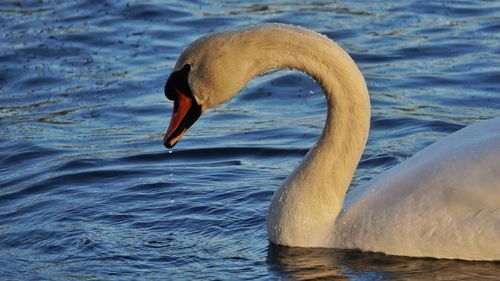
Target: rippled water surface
88, 192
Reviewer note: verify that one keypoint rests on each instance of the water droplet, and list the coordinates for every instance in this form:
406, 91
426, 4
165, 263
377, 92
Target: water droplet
170, 151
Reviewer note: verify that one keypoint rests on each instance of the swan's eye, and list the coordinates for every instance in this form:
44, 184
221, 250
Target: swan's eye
179, 80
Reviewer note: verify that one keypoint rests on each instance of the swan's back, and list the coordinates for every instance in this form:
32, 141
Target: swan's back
443, 202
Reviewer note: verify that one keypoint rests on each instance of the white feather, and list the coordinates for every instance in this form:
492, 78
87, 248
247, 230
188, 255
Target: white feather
443, 202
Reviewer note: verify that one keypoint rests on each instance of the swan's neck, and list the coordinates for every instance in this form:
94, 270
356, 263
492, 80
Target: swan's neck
304, 209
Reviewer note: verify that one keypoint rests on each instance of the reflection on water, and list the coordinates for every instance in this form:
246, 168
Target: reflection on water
332, 264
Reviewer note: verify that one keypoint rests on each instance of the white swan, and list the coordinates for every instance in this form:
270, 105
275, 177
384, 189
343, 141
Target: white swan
443, 202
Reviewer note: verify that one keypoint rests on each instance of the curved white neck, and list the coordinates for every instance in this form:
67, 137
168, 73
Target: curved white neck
304, 209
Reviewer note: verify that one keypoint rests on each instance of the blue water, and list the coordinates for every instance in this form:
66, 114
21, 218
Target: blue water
88, 192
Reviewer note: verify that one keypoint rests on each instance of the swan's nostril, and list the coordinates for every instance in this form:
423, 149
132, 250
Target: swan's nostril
176, 106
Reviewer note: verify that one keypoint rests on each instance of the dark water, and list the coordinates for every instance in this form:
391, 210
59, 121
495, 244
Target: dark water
87, 191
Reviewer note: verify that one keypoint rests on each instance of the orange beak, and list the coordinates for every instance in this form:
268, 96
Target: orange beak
186, 111
181, 108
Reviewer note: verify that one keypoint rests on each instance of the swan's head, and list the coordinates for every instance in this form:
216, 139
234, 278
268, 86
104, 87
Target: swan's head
208, 73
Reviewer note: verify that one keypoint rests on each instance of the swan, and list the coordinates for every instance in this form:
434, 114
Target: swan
443, 202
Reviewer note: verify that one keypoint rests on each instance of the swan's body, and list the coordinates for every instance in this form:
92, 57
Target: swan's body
443, 202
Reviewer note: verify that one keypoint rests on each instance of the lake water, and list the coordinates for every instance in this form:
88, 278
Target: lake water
88, 192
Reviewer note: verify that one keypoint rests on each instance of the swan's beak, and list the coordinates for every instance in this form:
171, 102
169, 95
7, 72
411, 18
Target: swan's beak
186, 111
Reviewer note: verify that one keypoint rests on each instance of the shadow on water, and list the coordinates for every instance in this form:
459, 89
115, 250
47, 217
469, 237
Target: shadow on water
334, 264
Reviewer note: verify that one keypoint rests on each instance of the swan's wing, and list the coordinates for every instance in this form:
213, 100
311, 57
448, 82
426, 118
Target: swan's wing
442, 202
